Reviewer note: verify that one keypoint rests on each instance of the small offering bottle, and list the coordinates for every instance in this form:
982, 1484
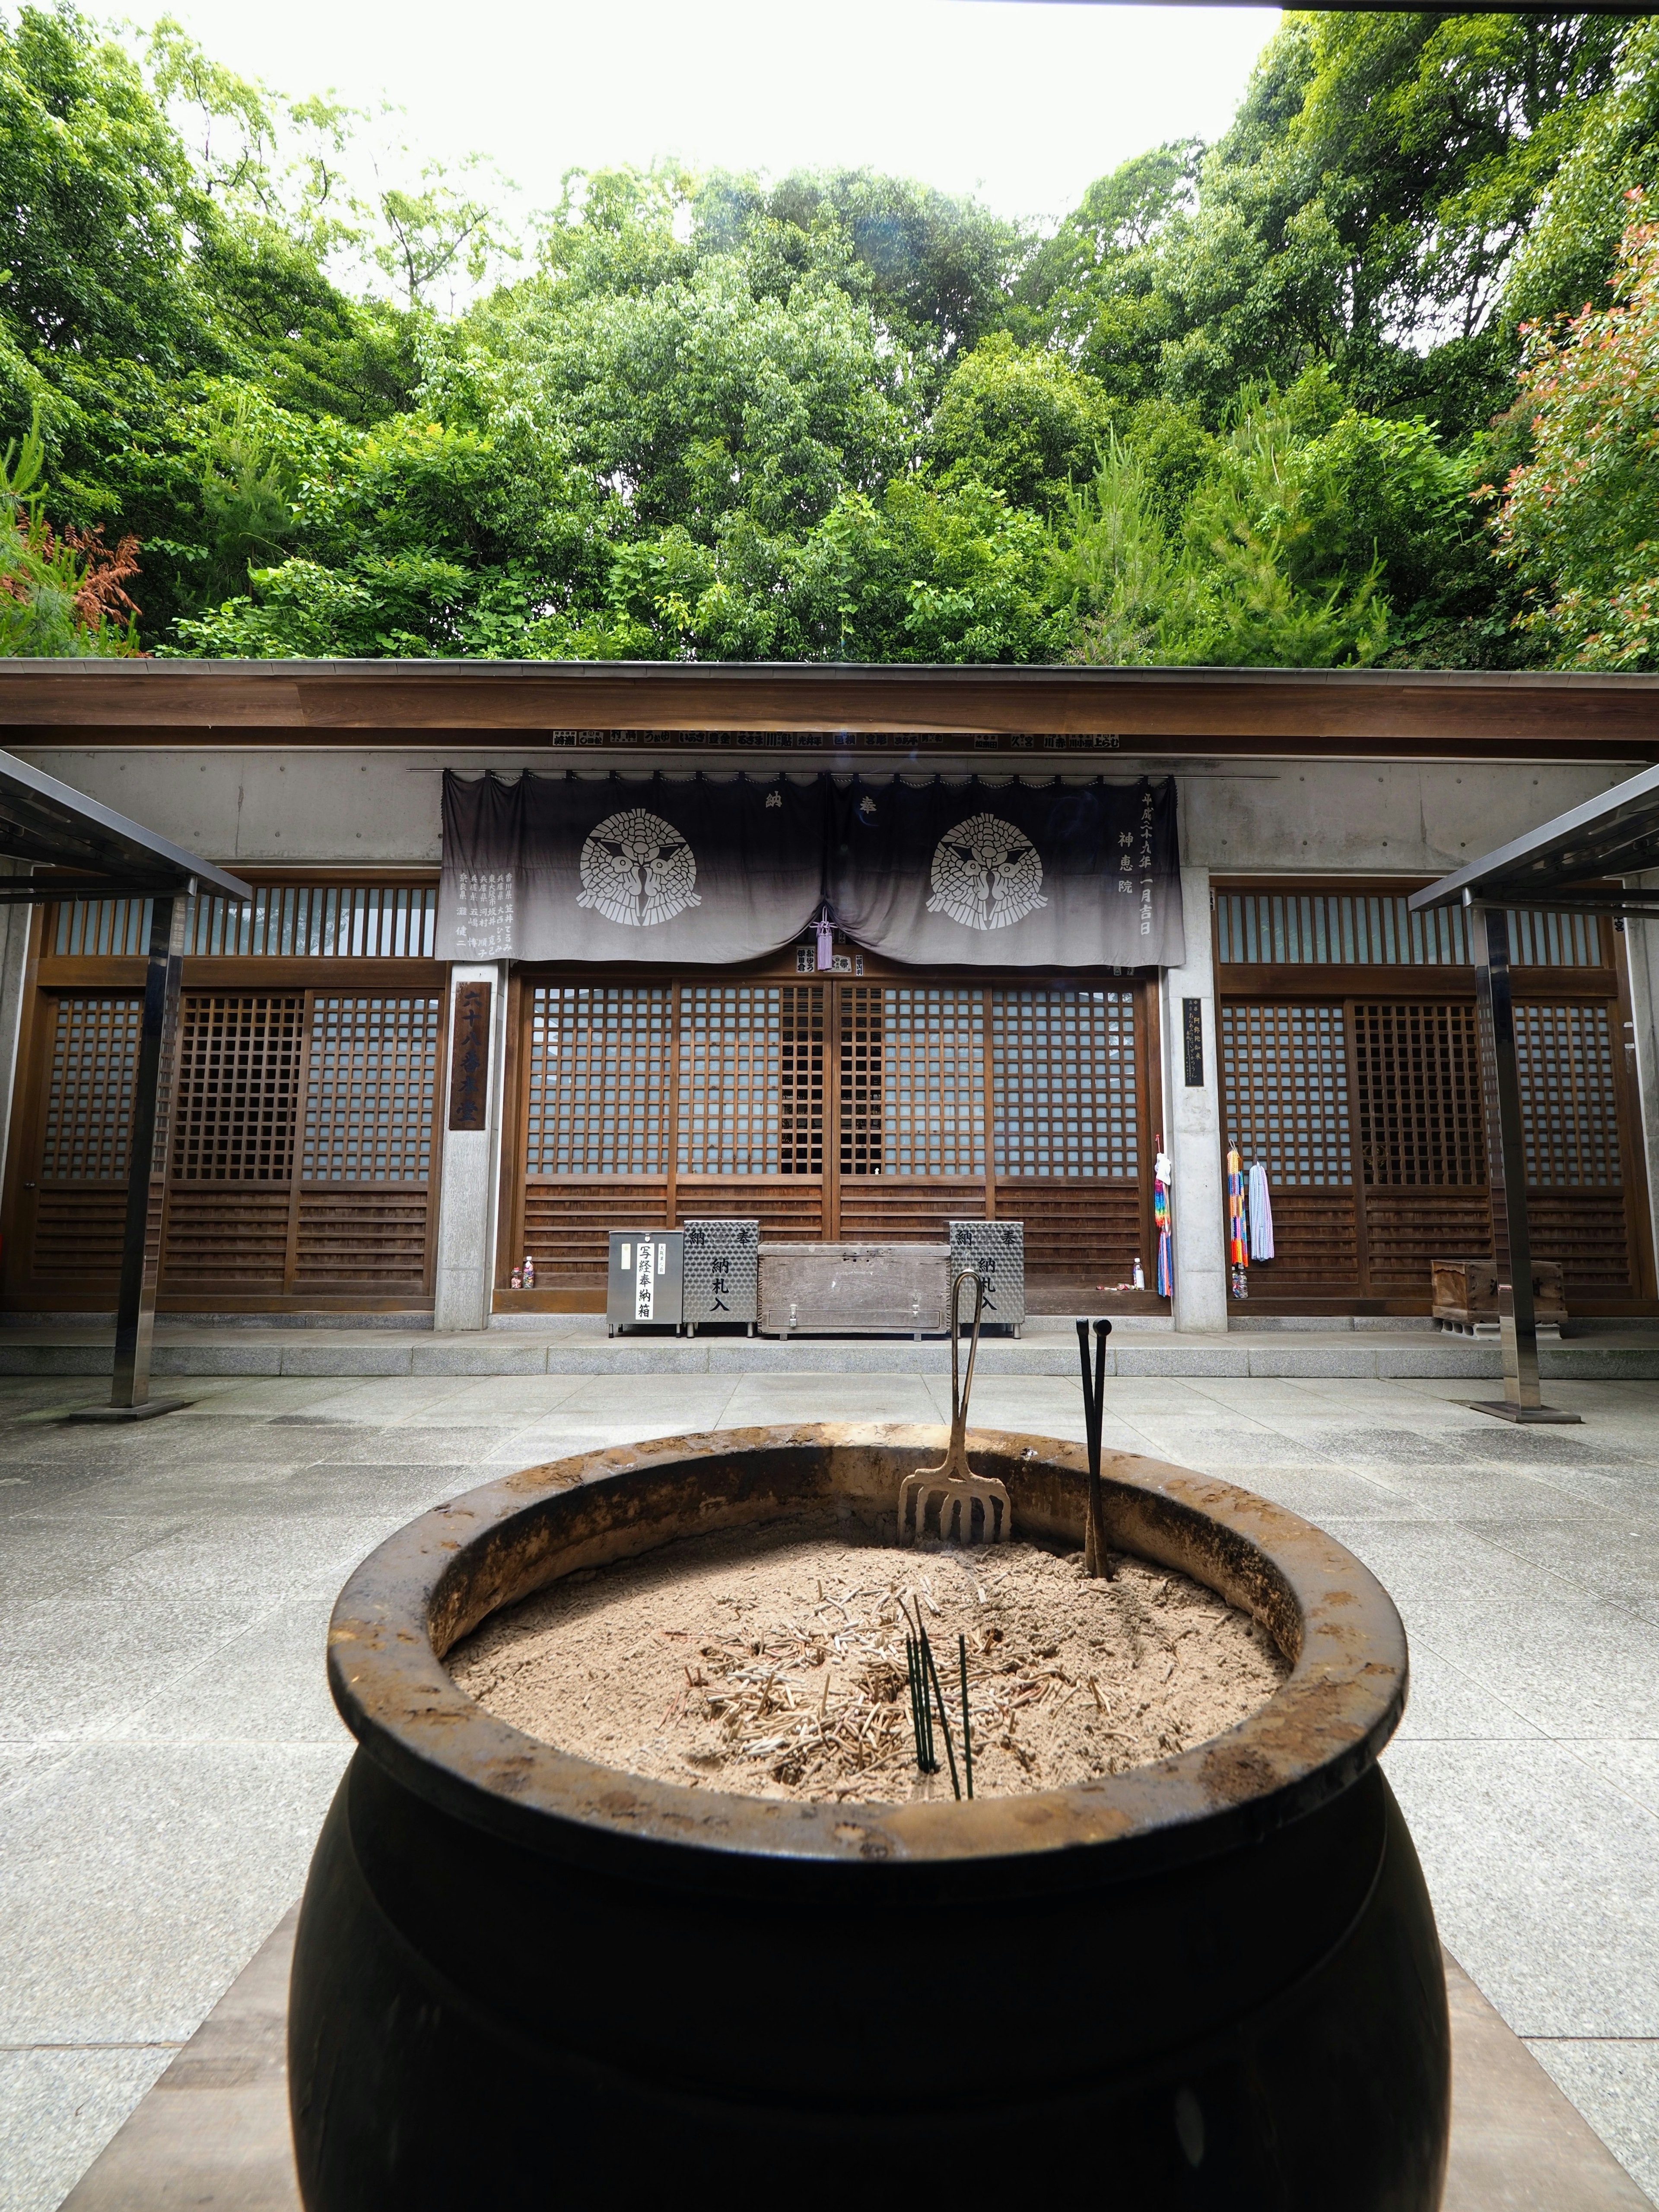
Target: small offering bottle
1140, 1276
529, 1273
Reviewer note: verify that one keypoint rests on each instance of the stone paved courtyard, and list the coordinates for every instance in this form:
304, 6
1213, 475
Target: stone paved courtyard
167, 1747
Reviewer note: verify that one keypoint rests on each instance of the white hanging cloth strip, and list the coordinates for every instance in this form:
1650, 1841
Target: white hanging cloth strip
1261, 1214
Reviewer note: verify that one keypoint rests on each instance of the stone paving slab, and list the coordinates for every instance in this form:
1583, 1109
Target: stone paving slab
165, 1587
1349, 1354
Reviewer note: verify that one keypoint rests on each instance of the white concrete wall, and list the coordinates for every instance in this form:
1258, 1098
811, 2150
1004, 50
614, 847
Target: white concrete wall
469, 1189
340, 806
1192, 1128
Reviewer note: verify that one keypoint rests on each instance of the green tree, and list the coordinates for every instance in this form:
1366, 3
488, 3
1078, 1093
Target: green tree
699, 398
1262, 569
1366, 210
935, 270
96, 195
1021, 418
1579, 520
62, 593
1097, 289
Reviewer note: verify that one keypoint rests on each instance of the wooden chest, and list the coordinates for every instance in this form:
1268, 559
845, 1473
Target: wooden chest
855, 1289
1465, 1292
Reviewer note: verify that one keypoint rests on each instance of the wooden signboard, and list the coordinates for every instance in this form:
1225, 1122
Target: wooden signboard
468, 1058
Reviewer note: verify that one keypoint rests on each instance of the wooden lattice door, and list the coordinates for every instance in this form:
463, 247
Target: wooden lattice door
303, 1161
1368, 1114
1285, 1101
1583, 1207
754, 1092
1070, 1111
303, 1155
597, 1058
910, 1110
74, 1204
1422, 1139
853, 1108
227, 1222
365, 1215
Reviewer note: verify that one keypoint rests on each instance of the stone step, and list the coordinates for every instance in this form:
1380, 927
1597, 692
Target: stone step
383, 1352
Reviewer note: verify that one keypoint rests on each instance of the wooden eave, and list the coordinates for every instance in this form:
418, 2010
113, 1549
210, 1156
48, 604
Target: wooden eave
1250, 711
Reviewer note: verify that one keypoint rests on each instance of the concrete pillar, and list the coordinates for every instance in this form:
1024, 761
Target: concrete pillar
14, 960
1191, 1125
1642, 958
469, 1194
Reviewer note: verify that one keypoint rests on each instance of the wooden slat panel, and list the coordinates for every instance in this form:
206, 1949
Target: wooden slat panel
1316, 1240
77, 1236
567, 1224
286, 920
1341, 927
895, 1210
790, 1209
1406, 1228
374, 1239
1083, 1233
236, 1238
1586, 1232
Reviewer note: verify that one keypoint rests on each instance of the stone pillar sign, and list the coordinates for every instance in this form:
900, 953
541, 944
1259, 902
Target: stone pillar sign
1192, 1116
469, 1192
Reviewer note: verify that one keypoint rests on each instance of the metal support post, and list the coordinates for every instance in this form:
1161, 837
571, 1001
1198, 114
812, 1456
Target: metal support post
149, 1142
1506, 1170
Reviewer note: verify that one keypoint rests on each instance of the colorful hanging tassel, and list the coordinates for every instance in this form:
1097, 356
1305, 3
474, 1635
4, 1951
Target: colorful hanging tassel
1162, 1173
1238, 1226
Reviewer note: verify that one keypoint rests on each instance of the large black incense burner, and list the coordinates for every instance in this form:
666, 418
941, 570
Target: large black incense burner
523, 1979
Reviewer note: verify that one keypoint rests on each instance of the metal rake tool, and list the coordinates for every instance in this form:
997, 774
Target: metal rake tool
953, 1480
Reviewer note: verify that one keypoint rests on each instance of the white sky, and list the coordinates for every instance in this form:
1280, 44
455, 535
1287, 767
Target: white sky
1024, 103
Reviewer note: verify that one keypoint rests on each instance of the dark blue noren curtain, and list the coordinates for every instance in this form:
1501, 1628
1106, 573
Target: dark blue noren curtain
942, 871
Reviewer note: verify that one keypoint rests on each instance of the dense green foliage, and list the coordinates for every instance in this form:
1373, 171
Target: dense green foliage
1580, 517
1334, 392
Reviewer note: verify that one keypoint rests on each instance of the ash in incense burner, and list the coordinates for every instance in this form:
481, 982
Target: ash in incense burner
772, 1662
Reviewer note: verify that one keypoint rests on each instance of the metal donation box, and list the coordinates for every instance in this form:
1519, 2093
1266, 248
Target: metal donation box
996, 1250
722, 1264
646, 1283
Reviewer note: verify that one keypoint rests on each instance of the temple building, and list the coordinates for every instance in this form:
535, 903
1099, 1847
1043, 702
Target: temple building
540, 950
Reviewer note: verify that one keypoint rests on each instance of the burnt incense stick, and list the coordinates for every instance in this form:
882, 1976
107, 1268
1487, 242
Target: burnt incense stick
920, 1718
944, 1718
1097, 1559
967, 1737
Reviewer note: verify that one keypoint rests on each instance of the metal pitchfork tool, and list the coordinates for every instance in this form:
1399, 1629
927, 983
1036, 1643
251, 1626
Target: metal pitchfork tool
1097, 1559
954, 1481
